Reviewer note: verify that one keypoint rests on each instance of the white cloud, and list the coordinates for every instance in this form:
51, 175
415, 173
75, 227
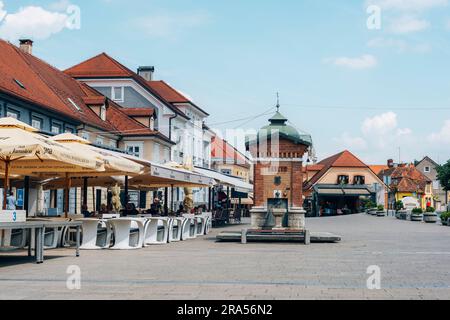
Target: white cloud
170, 24
364, 62
409, 5
32, 22
404, 132
443, 136
60, 5
408, 24
380, 124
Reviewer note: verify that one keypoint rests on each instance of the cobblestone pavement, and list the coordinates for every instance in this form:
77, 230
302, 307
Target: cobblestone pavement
414, 259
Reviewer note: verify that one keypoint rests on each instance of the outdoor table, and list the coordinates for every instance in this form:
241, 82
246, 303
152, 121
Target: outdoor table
38, 227
122, 228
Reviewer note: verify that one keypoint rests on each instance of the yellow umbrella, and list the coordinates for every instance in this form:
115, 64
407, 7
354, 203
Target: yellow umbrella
24, 151
115, 165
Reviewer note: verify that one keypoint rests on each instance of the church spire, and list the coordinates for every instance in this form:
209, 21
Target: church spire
278, 102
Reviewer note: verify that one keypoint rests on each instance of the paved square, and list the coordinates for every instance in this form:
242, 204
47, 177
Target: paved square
414, 259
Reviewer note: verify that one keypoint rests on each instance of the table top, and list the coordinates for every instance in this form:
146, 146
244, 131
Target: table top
38, 224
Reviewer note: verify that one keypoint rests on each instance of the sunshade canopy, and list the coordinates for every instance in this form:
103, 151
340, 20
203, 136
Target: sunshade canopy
236, 183
114, 163
28, 152
78, 182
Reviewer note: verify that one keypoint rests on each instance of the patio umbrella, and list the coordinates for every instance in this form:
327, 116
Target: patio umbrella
24, 151
115, 165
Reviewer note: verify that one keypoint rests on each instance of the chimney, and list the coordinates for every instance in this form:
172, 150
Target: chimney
146, 72
26, 45
390, 163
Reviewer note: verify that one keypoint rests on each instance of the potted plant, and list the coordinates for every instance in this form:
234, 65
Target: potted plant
430, 215
369, 206
380, 211
417, 214
445, 218
399, 207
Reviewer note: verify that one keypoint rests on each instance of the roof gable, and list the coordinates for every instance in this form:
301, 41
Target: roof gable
101, 65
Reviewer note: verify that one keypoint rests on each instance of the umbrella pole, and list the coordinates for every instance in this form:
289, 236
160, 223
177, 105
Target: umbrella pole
6, 183
66, 195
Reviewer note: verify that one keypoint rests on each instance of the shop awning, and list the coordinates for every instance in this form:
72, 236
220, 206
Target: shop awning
334, 192
357, 192
225, 180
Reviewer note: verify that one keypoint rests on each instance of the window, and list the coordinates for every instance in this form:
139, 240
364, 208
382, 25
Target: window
13, 114
103, 113
20, 84
117, 94
85, 136
359, 180
427, 169
36, 123
226, 171
99, 140
113, 143
69, 130
152, 123
74, 104
343, 179
135, 149
56, 128
156, 153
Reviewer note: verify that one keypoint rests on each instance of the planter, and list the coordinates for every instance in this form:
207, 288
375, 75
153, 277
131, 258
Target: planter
373, 212
381, 213
416, 217
430, 217
401, 214
444, 222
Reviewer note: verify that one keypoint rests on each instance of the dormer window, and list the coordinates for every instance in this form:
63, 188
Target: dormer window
359, 180
20, 84
117, 94
343, 179
427, 169
103, 113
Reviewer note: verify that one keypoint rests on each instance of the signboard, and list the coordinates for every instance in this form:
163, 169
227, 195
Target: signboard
13, 216
20, 197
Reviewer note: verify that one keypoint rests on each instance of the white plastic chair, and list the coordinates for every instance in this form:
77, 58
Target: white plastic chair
201, 225
125, 238
176, 228
96, 234
157, 230
13, 239
189, 227
208, 223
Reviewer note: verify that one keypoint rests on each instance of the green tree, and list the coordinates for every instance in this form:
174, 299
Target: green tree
443, 173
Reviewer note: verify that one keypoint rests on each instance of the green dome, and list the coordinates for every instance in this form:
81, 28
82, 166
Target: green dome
278, 124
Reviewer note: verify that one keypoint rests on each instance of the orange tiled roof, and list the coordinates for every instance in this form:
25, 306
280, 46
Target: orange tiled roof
138, 112
105, 66
342, 159
167, 92
44, 85
377, 168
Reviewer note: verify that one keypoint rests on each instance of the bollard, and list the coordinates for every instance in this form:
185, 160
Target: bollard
307, 237
244, 236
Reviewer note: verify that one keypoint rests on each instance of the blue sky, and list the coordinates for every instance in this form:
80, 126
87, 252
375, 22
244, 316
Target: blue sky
350, 87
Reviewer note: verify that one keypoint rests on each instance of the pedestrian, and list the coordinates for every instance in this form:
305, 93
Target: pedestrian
11, 202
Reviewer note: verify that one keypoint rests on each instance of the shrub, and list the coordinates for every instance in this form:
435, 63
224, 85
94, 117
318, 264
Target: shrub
445, 216
370, 205
399, 205
430, 209
380, 207
417, 211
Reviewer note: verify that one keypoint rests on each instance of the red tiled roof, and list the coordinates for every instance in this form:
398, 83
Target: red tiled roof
138, 112
221, 149
127, 126
44, 85
167, 92
377, 168
342, 159
103, 65
406, 178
